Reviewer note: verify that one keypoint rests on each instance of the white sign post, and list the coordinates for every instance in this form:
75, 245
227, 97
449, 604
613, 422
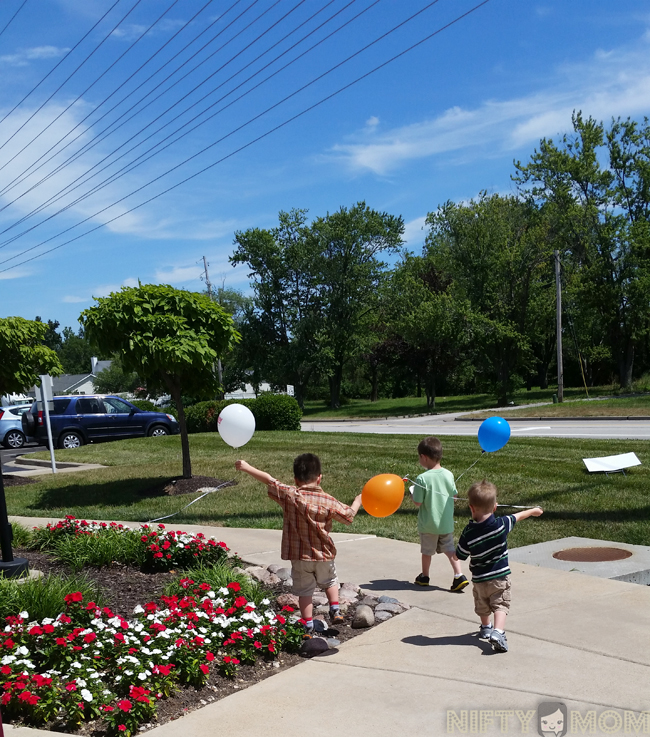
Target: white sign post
289, 390
48, 403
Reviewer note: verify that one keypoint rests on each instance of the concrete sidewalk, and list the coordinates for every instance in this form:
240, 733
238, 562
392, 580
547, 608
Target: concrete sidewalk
573, 638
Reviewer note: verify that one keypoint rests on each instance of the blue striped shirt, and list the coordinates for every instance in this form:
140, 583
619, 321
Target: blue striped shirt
486, 545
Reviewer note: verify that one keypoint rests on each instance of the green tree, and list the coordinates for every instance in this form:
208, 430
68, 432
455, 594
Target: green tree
52, 339
493, 250
76, 352
594, 186
115, 379
350, 274
171, 338
24, 357
280, 334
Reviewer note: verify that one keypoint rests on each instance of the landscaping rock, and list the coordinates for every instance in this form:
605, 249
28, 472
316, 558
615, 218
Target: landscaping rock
284, 574
352, 587
370, 600
363, 617
273, 568
332, 642
289, 583
261, 574
319, 598
382, 616
392, 608
387, 600
288, 600
241, 571
313, 647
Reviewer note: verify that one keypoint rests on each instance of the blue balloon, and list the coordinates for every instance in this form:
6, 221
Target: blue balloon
493, 434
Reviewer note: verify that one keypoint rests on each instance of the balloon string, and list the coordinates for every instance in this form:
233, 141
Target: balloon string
198, 498
464, 498
472, 466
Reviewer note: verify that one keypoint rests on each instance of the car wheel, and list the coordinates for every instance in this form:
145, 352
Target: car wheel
157, 431
70, 439
28, 421
14, 439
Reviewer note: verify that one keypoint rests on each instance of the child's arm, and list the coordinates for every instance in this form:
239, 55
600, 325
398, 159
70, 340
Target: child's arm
535, 512
258, 475
356, 504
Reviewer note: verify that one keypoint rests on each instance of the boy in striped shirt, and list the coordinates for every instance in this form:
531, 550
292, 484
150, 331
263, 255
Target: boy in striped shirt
485, 542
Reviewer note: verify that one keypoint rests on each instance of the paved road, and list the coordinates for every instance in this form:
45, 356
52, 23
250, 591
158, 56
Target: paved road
6, 456
445, 425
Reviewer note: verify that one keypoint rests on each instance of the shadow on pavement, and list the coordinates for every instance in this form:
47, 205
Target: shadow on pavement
470, 639
392, 584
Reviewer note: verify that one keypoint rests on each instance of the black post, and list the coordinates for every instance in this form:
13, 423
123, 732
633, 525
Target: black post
10, 567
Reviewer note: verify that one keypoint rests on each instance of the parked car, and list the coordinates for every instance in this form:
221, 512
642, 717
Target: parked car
89, 418
11, 429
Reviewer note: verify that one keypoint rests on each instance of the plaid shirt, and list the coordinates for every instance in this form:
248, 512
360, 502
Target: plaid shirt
308, 515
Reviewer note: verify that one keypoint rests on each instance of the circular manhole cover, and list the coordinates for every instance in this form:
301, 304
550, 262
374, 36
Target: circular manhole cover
592, 555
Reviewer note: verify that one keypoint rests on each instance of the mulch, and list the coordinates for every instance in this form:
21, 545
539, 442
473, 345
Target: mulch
17, 480
127, 586
178, 485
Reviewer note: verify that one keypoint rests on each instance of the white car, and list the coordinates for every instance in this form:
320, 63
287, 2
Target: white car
11, 430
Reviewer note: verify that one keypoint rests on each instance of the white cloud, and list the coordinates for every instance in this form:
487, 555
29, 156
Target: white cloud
611, 84
100, 291
414, 233
15, 274
24, 56
372, 122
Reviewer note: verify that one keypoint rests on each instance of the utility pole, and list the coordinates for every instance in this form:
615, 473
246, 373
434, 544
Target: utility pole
558, 309
209, 286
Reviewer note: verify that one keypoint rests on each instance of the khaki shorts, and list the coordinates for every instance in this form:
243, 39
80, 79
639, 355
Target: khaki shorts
307, 573
431, 544
491, 596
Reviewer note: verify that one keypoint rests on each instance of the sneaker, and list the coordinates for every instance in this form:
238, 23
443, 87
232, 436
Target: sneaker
336, 617
422, 580
499, 642
308, 634
484, 631
459, 583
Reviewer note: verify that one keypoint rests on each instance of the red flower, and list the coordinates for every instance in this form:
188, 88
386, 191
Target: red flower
124, 705
72, 686
48, 629
90, 637
121, 728
36, 630
74, 597
209, 656
5, 670
61, 641
234, 586
204, 669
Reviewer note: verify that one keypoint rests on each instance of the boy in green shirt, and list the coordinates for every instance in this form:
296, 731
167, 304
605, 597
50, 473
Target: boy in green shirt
434, 493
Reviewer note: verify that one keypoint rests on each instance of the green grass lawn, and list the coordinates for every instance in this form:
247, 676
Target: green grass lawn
618, 407
363, 408
528, 471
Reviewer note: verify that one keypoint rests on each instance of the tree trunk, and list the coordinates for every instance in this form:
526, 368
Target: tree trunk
374, 394
175, 391
335, 386
626, 366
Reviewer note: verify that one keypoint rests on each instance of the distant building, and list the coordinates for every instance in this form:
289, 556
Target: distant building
76, 383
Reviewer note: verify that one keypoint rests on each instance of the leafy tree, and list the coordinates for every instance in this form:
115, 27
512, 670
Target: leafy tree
52, 339
24, 357
280, 334
115, 379
76, 352
594, 186
349, 275
171, 338
493, 250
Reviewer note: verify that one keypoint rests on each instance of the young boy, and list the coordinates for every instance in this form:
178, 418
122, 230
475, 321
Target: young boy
306, 542
485, 542
434, 493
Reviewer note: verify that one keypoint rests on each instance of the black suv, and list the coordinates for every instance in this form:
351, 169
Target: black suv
81, 419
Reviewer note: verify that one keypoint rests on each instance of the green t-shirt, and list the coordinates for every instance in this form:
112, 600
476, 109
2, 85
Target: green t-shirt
436, 515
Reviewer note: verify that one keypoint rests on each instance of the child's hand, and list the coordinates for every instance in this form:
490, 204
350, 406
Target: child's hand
537, 512
241, 465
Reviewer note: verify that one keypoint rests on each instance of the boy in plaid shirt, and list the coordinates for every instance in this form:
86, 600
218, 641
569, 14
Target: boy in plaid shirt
306, 542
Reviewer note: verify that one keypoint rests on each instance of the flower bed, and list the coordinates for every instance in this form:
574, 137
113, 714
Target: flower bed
88, 663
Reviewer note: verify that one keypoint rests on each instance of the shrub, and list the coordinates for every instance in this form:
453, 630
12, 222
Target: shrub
145, 405
276, 412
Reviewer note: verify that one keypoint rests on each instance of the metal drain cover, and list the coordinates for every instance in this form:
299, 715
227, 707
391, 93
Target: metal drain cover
592, 555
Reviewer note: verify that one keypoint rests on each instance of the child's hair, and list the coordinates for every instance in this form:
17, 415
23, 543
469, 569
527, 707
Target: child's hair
306, 467
482, 495
431, 448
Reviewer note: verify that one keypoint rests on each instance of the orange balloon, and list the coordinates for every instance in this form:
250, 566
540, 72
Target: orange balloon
383, 494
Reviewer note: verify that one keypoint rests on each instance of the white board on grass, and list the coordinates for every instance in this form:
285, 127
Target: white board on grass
611, 463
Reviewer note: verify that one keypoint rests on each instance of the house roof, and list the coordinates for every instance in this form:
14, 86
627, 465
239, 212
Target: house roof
67, 382
100, 366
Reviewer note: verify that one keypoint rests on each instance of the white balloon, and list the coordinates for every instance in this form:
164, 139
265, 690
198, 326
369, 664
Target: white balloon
236, 425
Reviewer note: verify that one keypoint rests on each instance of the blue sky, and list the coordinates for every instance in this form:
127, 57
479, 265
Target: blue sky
444, 121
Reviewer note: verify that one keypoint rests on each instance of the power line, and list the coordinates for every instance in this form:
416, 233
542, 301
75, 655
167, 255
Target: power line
58, 64
87, 146
76, 100
10, 21
246, 145
121, 172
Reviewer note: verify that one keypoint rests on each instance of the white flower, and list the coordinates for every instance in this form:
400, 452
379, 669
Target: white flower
86, 695
75, 664
138, 610
266, 602
22, 650
81, 683
106, 692
128, 672
24, 615
142, 676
